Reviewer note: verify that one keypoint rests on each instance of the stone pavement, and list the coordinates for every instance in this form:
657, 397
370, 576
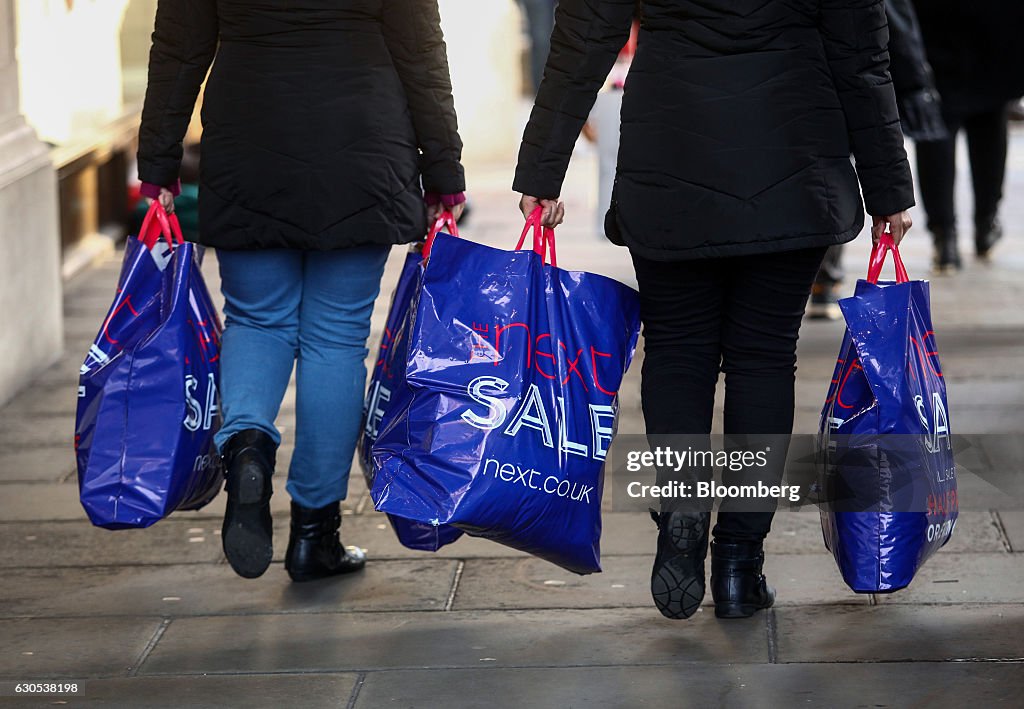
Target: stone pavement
155, 618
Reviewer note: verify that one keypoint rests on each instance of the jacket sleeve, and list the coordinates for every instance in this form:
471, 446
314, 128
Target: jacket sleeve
855, 36
184, 44
587, 38
412, 31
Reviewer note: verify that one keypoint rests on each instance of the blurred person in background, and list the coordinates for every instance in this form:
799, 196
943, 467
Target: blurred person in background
920, 118
323, 124
977, 52
540, 19
734, 177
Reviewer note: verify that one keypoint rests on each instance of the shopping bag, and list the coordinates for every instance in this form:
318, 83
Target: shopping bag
148, 389
388, 377
887, 471
513, 369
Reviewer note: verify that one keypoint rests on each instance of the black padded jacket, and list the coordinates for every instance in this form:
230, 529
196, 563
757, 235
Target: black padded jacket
323, 120
738, 122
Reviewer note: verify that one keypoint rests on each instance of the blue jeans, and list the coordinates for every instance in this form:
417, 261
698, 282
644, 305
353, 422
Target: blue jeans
311, 309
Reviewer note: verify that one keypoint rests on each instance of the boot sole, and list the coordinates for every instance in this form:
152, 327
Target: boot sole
248, 548
676, 587
676, 594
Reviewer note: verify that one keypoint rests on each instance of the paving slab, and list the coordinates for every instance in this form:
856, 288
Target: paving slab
41, 401
49, 464
800, 532
64, 374
799, 579
900, 633
32, 648
47, 544
964, 578
25, 502
735, 686
1013, 523
37, 431
355, 641
271, 691
214, 589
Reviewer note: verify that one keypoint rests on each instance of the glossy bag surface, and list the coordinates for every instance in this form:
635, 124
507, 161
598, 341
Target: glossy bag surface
387, 379
513, 368
148, 388
887, 467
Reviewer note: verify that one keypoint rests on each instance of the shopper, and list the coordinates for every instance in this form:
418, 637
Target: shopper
323, 124
976, 51
734, 177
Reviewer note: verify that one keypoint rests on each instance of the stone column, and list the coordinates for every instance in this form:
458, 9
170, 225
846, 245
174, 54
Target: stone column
31, 328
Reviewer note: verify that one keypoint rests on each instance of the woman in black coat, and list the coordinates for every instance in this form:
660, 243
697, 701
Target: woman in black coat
324, 122
734, 176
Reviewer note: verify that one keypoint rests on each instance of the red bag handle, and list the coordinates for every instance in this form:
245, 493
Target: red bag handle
543, 237
886, 244
445, 219
166, 225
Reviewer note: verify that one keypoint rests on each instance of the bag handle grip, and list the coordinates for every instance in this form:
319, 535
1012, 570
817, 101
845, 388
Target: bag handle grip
543, 237
878, 251
444, 219
166, 225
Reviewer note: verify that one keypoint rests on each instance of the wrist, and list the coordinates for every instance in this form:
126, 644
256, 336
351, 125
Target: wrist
148, 189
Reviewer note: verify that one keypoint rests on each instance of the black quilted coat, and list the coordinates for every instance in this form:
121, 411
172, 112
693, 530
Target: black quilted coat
320, 118
738, 121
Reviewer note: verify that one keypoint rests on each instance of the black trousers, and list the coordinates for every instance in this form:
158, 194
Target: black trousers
936, 167
740, 316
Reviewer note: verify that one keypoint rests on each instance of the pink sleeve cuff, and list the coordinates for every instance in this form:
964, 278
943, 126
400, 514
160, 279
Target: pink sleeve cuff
448, 200
152, 191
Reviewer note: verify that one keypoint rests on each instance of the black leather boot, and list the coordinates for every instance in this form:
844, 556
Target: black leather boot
947, 253
986, 234
314, 547
247, 536
737, 584
677, 579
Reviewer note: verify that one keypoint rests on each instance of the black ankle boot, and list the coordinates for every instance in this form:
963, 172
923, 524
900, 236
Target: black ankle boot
986, 234
947, 252
249, 458
737, 584
677, 579
314, 547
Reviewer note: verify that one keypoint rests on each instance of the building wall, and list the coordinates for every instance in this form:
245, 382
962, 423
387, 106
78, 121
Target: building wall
30, 286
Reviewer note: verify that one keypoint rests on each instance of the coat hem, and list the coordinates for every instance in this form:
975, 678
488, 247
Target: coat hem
792, 243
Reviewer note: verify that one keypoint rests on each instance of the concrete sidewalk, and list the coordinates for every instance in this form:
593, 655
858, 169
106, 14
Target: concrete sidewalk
155, 618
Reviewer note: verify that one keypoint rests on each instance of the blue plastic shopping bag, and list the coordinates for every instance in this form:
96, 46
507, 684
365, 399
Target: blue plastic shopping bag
887, 472
387, 379
148, 389
513, 369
